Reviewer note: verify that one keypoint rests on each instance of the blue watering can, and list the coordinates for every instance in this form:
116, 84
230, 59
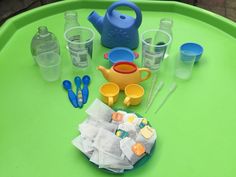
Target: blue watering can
116, 29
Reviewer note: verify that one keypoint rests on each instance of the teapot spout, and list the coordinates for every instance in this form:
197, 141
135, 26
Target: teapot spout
96, 20
105, 72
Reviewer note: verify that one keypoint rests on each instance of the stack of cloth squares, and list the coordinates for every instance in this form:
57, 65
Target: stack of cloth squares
114, 140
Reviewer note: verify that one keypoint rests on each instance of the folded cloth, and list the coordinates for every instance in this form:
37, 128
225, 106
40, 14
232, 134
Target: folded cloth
133, 119
108, 142
126, 147
89, 130
130, 128
95, 157
93, 125
148, 143
116, 170
100, 111
107, 161
83, 145
118, 117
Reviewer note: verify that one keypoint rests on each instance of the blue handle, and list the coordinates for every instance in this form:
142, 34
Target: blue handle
131, 5
73, 98
80, 98
85, 93
78, 81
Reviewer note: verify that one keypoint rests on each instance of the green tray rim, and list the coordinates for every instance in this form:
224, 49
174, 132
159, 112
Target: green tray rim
8, 29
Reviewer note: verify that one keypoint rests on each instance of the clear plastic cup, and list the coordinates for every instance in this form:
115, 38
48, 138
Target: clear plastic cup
50, 65
184, 65
154, 46
80, 45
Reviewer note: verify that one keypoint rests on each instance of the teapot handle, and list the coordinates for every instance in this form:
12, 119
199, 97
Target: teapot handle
145, 70
131, 5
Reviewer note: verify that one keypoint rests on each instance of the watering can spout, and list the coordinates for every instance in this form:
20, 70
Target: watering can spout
96, 20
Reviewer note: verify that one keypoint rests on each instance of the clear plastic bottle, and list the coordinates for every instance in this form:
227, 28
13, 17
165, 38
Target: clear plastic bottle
70, 20
44, 41
166, 25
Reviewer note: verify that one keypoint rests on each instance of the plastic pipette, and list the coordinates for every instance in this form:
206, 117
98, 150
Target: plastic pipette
159, 86
154, 80
171, 90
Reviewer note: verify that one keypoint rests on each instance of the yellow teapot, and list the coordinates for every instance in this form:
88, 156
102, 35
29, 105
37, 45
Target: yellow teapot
124, 73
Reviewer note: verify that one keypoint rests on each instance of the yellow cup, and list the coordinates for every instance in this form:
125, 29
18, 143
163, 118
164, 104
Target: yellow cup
109, 92
134, 94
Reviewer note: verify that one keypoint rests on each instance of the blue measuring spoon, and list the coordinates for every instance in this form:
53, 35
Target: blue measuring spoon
78, 81
71, 94
85, 90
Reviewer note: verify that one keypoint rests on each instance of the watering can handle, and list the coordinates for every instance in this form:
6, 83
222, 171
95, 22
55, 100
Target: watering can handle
145, 70
131, 5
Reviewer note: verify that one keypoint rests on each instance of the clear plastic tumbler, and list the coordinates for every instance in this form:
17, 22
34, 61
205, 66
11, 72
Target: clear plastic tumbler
50, 65
154, 46
184, 65
80, 45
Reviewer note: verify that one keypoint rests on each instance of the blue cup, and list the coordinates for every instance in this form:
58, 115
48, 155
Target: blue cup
193, 48
120, 54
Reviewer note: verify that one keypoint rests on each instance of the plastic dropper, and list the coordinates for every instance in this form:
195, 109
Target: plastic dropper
159, 86
154, 80
171, 90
